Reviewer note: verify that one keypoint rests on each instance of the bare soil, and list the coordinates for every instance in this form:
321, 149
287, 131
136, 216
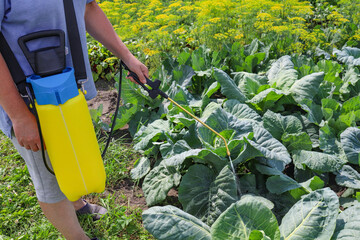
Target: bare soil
126, 192
107, 98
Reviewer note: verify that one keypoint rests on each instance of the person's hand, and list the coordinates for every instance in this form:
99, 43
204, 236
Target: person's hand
137, 67
26, 132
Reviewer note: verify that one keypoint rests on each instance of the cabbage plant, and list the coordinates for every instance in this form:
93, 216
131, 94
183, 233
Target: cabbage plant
292, 127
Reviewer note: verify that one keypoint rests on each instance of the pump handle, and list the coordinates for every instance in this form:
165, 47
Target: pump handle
48, 60
42, 34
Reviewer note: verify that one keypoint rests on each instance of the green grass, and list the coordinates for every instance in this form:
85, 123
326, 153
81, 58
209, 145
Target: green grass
22, 218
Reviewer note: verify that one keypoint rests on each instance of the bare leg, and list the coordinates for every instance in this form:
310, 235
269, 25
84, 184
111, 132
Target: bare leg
78, 204
63, 217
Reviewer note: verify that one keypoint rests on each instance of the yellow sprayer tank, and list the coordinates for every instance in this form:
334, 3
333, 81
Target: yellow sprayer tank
69, 134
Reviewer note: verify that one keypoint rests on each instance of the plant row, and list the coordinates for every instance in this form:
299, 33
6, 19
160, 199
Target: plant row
291, 125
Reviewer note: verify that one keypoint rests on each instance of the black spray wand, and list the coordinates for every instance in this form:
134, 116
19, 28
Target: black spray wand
154, 91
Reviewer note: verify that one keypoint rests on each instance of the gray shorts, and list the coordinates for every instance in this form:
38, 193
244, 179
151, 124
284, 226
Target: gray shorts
46, 186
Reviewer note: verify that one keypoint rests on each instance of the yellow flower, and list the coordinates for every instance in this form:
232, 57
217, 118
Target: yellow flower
263, 16
162, 17
187, 9
190, 40
154, 4
297, 47
280, 29
296, 19
106, 5
343, 20
309, 38
180, 31
149, 52
220, 36
147, 24
147, 13
299, 32
175, 5
215, 20
337, 18
172, 23
356, 37
303, 10
134, 28
239, 36
277, 7
163, 27
126, 16
263, 25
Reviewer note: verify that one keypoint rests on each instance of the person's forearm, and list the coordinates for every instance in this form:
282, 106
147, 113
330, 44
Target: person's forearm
10, 99
99, 27
24, 123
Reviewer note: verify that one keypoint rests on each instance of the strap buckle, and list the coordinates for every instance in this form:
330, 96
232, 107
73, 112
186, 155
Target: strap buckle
81, 83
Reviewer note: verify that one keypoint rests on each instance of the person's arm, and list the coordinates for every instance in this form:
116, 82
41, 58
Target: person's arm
99, 27
24, 122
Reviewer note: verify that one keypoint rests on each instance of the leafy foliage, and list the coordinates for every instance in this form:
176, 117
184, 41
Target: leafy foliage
104, 65
291, 121
239, 221
290, 131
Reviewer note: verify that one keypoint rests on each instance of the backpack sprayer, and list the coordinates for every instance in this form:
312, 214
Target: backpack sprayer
64, 120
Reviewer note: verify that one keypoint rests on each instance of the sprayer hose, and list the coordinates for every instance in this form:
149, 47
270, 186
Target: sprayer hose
115, 113
34, 111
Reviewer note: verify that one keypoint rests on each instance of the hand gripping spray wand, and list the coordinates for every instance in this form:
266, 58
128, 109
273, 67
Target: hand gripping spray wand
154, 91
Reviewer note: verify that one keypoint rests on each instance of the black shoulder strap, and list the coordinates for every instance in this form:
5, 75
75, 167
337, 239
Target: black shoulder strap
74, 41
16, 72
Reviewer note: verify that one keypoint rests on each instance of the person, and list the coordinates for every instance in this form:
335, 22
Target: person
19, 18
